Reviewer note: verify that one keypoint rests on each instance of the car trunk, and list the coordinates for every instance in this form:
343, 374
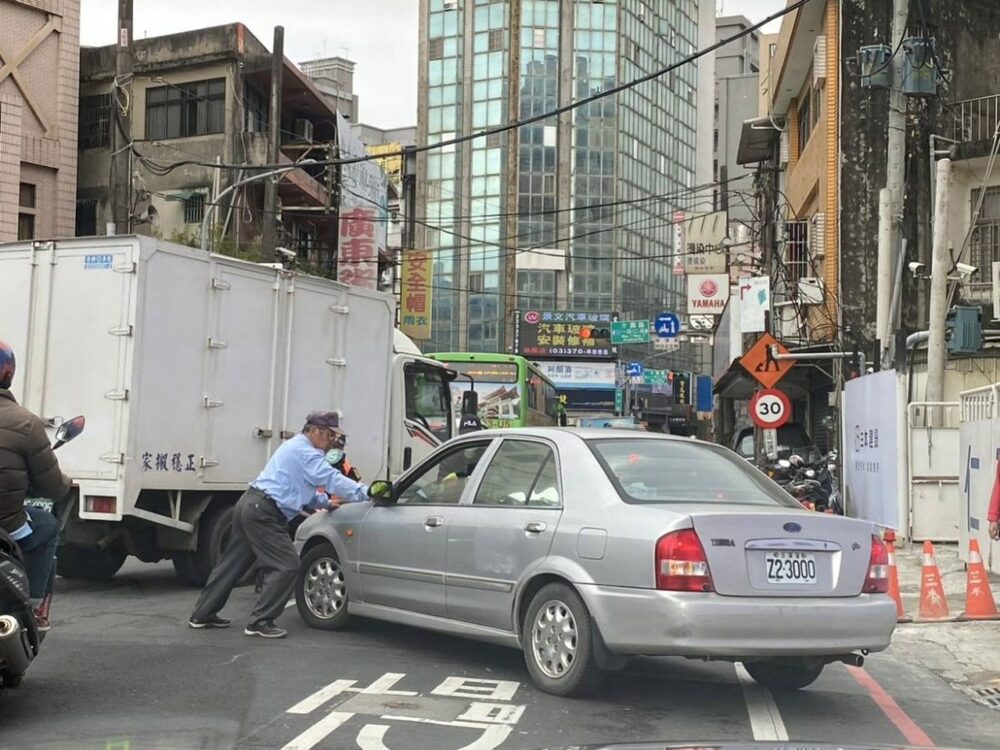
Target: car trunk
785, 553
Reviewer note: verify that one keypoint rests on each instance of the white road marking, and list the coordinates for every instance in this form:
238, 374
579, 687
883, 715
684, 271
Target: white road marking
492, 737
471, 687
765, 720
318, 731
370, 737
380, 687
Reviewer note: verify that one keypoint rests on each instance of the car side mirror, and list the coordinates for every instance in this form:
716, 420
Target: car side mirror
68, 430
381, 491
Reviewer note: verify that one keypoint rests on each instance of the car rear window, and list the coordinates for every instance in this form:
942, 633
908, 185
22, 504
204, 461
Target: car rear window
677, 471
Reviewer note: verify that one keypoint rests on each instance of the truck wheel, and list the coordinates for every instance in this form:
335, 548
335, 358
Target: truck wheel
320, 589
92, 564
214, 528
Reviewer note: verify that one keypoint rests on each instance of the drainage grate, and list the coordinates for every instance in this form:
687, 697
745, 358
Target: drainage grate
987, 696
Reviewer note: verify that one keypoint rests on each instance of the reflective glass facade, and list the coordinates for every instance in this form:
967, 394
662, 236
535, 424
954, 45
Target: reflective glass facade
599, 184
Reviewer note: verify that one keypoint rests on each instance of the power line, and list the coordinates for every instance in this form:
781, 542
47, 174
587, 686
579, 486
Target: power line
597, 96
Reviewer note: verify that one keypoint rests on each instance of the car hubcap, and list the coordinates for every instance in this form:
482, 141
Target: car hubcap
554, 639
325, 593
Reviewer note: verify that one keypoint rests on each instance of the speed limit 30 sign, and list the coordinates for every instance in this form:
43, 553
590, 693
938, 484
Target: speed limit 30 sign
770, 409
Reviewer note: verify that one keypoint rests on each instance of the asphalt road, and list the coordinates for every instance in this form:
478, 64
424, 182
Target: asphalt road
121, 671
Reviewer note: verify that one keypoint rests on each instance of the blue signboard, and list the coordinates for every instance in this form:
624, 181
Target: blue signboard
635, 369
668, 325
704, 393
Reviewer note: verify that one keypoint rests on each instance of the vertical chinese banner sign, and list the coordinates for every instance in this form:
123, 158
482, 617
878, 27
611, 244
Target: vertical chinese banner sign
415, 294
358, 262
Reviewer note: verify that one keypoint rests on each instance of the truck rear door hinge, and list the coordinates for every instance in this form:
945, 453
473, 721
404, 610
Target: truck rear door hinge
337, 361
214, 343
121, 331
117, 395
126, 268
204, 462
220, 284
113, 458
342, 309
286, 435
211, 403
260, 432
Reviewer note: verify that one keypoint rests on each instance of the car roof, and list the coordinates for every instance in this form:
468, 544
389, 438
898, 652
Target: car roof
583, 433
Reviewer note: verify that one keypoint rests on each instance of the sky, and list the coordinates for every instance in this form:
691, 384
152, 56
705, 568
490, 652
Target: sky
379, 35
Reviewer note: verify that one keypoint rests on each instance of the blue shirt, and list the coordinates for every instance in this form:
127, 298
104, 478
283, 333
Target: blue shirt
294, 472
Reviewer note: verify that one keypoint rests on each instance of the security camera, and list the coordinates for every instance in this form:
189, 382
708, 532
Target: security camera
965, 270
916, 269
285, 252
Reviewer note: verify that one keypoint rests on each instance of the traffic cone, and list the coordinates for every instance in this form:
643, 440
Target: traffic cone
933, 603
890, 543
979, 602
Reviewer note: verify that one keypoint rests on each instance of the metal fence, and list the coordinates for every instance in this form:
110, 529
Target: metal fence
976, 119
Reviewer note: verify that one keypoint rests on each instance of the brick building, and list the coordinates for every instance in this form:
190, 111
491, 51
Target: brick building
39, 81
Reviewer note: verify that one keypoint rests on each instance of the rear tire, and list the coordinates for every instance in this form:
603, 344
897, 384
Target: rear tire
558, 640
321, 590
785, 674
91, 564
214, 529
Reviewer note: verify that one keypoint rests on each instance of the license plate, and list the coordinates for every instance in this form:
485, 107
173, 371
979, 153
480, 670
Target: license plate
790, 567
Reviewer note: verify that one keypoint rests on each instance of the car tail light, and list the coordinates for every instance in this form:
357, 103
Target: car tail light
681, 564
877, 581
100, 504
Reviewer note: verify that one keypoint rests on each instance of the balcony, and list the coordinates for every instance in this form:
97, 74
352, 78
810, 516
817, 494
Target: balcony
975, 124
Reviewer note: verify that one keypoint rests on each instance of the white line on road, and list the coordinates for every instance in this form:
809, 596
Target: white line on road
318, 731
370, 737
765, 720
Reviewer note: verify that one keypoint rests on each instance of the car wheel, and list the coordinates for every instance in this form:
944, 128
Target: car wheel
557, 636
785, 674
91, 564
215, 526
321, 589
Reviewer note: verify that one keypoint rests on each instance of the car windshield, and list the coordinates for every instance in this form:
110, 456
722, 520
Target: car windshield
665, 471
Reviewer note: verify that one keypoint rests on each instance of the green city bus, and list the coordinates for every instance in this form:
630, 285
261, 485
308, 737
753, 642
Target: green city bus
512, 391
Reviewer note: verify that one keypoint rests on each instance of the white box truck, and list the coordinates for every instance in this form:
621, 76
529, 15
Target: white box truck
191, 368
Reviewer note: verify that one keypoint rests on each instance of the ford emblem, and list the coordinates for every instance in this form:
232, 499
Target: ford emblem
792, 528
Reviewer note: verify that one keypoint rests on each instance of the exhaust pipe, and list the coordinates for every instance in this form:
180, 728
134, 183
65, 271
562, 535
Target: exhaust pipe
15, 654
851, 660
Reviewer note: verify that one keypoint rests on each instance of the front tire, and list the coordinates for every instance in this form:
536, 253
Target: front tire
785, 674
558, 640
214, 529
91, 564
321, 589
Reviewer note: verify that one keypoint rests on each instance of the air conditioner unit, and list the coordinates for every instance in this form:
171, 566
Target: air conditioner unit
784, 150
304, 130
450, 5
819, 61
811, 291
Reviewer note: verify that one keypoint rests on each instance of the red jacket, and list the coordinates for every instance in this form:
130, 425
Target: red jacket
994, 512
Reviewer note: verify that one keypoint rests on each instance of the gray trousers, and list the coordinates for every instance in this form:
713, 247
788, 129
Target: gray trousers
260, 536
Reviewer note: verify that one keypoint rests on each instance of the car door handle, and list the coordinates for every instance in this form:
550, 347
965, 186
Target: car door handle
432, 522
534, 527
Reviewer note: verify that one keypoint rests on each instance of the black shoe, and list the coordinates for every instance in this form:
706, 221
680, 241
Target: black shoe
264, 629
213, 621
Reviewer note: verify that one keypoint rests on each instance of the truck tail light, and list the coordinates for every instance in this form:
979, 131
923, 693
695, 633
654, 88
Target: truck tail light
877, 581
100, 504
681, 564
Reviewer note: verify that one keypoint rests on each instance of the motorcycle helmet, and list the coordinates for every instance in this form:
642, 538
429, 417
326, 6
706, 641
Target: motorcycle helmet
7, 364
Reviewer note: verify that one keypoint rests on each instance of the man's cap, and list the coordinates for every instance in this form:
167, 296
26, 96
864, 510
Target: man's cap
328, 419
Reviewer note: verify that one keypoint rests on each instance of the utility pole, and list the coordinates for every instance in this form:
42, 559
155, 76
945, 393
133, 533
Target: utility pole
270, 228
940, 265
121, 151
895, 165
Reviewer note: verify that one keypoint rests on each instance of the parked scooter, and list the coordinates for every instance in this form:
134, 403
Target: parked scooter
20, 638
810, 484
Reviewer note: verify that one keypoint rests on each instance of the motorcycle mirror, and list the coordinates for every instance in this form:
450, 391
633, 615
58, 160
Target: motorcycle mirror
784, 463
69, 429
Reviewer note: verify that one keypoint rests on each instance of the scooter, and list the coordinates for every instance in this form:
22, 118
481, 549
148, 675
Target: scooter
20, 638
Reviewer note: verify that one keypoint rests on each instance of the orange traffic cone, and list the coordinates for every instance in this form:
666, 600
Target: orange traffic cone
890, 543
933, 603
979, 602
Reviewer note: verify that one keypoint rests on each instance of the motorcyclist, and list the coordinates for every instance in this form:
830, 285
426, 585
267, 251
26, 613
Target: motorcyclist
28, 465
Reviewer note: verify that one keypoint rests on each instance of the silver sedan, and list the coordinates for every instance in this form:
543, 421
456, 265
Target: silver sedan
584, 547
